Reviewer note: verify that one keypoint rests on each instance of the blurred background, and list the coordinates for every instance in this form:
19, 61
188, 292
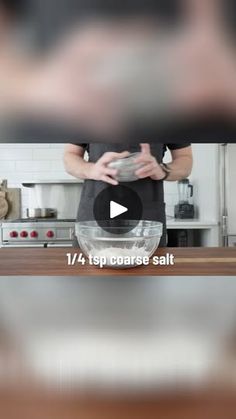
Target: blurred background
166, 344
101, 70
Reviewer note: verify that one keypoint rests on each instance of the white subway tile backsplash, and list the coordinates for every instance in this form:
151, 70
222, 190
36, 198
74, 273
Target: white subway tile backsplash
59, 145
170, 210
48, 154
170, 187
6, 166
15, 154
26, 162
30, 146
33, 166
49, 175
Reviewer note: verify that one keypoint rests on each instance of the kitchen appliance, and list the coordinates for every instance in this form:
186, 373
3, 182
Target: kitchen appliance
184, 209
119, 242
54, 194
126, 168
227, 195
46, 198
37, 233
41, 213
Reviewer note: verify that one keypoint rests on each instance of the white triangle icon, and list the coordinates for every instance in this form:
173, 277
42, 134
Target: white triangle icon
116, 209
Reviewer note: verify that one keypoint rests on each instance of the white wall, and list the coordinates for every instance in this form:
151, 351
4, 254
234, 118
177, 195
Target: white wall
21, 162
205, 179
27, 162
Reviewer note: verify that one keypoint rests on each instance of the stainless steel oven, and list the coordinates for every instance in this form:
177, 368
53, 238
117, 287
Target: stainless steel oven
37, 233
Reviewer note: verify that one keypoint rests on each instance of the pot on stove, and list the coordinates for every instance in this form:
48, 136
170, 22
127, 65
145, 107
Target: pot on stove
41, 213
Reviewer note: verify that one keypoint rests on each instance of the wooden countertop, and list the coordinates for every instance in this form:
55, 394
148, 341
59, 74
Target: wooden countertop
53, 262
211, 405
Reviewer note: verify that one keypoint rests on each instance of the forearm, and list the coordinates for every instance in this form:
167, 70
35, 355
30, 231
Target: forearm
180, 167
17, 85
76, 166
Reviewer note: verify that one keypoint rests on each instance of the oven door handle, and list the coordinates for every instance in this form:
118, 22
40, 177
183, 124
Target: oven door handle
61, 245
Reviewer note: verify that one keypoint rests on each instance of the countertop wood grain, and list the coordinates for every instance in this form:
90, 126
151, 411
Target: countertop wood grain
210, 405
53, 262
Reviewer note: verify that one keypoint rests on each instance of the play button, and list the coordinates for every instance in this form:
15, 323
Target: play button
118, 206
116, 209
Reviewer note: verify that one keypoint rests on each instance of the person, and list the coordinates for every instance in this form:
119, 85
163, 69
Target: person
149, 186
192, 77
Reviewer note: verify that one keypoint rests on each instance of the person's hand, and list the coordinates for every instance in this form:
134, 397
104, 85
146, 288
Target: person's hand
100, 171
151, 167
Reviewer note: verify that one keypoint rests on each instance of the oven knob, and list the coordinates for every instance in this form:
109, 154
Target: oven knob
13, 234
50, 234
24, 234
33, 234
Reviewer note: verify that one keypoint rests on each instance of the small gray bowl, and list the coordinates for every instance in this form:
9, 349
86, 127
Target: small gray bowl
126, 168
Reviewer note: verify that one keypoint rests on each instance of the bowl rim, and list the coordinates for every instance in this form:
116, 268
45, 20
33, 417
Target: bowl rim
133, 154
87, 224
151, 225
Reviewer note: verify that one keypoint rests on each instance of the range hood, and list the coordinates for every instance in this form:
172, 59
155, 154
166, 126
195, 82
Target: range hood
31, 184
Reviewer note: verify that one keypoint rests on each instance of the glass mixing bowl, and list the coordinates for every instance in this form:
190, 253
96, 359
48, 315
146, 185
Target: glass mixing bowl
121, 243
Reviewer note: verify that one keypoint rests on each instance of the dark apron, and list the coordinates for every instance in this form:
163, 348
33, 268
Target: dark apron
150, 191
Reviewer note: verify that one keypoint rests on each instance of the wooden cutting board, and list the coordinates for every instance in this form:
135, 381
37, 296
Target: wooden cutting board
13, 197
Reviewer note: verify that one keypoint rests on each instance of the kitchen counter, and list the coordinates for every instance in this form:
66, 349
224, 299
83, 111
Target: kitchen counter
209, 404
190, 224
54, 262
